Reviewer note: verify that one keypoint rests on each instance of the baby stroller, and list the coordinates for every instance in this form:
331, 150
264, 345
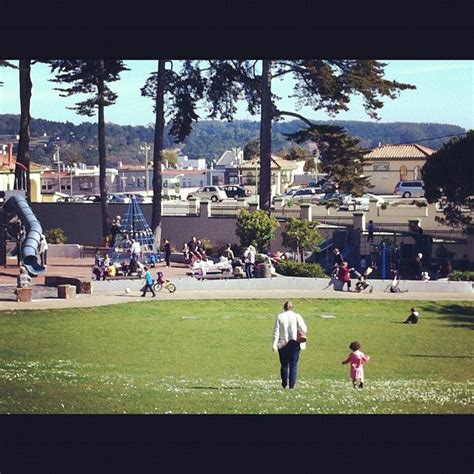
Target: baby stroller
362, 280
162, 282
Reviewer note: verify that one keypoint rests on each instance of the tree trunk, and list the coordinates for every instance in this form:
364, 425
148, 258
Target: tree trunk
22, 168
158, 152
102, 154
266, 136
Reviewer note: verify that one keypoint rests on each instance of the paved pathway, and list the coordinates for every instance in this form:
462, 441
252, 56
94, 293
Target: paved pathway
45, 298
104, 299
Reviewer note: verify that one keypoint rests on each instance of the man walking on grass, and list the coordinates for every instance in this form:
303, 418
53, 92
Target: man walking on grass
285, 341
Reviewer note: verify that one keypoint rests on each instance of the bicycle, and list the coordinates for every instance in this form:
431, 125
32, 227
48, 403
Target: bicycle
157, 286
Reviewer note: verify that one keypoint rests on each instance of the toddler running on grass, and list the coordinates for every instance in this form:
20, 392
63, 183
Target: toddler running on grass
356, 358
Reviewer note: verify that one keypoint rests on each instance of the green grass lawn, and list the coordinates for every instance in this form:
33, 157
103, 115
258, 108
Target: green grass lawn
215, 356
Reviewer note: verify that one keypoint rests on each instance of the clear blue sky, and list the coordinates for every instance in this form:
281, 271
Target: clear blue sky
444, 94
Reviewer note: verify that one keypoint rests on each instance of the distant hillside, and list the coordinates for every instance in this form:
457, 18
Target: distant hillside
209, 139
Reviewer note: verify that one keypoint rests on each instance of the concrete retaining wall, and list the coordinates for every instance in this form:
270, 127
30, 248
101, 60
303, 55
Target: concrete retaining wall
64, 250
283, 283
83, 286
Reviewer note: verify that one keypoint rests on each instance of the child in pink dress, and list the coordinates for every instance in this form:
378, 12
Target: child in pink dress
356, 358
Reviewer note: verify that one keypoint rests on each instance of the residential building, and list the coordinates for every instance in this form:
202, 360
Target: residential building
76, 181
7, 173
227, 164
282, 173
184, 162
388, 164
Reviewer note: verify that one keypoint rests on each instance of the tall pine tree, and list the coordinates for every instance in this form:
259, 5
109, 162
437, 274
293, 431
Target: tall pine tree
91, 76
175, 95
320, 84
22, 165
340, 156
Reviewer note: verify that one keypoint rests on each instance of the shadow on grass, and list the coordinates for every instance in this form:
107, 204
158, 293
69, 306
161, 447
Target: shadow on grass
460, 316
429, 356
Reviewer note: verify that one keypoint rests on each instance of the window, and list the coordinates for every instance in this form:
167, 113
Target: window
416, 172
85, 185
47, 185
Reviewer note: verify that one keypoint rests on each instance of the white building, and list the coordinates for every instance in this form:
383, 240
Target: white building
185, 163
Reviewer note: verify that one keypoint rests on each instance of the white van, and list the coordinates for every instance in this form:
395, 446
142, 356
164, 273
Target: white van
409, 189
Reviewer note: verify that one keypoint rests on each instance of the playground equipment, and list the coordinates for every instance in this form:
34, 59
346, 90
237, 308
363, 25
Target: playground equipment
135, 226
20, 222
347, 241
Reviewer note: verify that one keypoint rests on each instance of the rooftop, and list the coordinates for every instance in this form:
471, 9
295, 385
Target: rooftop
400, 151
277, 164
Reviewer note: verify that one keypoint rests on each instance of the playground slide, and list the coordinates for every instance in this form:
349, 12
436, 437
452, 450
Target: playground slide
327, 259
18, 205
321, 256
327, 244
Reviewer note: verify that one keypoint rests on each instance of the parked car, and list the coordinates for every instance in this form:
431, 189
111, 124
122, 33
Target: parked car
90, 198
311, 195
353, 203
214, 193
409, 189
141, 199
111, 198
316, 185
236, 191
67, 199
118, 198
284, 196
334, 198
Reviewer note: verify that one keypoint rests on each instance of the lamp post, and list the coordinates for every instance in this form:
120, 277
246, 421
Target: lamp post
177, 185
58, 161
256, 177
145, 147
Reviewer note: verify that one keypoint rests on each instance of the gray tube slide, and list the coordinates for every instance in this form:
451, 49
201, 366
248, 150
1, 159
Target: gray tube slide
19, 206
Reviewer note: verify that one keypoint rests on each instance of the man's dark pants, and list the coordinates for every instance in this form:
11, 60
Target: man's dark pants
148, 287
289, 356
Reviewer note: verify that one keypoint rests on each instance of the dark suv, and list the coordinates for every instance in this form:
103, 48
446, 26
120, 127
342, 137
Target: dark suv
236, 191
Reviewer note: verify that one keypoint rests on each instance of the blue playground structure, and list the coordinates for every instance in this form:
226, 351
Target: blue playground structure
135, 226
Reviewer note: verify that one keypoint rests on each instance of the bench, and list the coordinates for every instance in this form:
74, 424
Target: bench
124, 277
212, 274
87, 251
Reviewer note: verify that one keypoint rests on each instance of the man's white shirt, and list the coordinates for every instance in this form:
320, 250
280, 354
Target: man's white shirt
286, 329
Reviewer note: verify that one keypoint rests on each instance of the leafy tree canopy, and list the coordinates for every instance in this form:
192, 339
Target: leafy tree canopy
448, 177
340, 156
256, 228
87, 77
301, 235
252, 150
183, 89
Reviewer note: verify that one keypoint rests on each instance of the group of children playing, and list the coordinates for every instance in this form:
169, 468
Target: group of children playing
357, 358
104, 268
342, 272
